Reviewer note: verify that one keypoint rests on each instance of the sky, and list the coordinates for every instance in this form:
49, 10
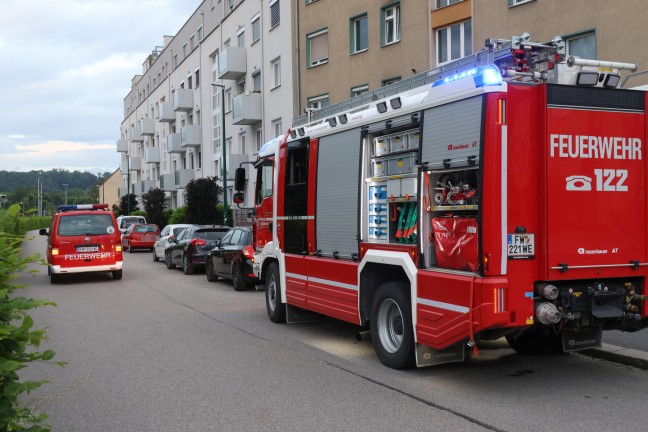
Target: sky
65, 68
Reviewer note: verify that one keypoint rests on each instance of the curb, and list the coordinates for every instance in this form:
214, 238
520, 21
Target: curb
616, 354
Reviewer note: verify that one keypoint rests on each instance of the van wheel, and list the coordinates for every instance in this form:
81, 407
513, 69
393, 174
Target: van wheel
392, 333
276, 309
117, 274
209, 270
167, 260
54, 278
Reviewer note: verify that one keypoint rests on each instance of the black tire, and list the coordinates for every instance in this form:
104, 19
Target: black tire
540, 340
187, 265
155, 257
209, 270
130, 248
54, 278
392, 332
167, 260
276, 309
237, 278
117, 274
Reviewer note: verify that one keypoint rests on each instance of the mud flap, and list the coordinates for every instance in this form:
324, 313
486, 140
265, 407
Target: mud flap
426, 356
299, 315
576, 341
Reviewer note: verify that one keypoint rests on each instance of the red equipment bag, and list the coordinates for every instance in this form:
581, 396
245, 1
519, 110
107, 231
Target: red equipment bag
456, 243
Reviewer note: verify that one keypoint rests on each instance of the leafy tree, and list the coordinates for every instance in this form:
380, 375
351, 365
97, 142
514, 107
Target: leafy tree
154, 204
201, 196
123, 204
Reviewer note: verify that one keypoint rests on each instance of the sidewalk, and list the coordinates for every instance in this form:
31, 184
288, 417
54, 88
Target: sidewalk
616, 354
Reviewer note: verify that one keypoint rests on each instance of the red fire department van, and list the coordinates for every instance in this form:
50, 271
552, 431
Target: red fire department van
503, 197
82, 239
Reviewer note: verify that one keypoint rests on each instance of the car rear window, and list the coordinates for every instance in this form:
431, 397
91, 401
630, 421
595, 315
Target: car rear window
145, 229
210, 234
90, 224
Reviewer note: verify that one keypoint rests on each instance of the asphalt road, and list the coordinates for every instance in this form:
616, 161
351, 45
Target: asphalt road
161, 351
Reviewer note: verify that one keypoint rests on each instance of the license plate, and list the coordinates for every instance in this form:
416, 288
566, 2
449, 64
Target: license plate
521, 246
87, 248
149, 238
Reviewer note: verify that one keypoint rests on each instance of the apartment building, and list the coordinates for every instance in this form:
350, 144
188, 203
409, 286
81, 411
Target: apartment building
228, 70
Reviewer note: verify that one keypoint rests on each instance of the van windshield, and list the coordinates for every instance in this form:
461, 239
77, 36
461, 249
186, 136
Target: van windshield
90, 224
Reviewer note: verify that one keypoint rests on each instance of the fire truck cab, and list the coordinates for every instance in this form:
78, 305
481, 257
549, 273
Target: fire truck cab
506, 197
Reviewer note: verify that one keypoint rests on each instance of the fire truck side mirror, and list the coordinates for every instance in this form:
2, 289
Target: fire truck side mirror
239, 179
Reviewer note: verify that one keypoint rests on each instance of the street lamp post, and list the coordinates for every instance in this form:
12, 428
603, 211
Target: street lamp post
222, 88
65, 185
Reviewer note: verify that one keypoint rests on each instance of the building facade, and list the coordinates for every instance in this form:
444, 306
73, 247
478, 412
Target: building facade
108, 192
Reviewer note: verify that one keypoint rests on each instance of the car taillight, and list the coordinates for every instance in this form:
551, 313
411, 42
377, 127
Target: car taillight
118, 248
197, 242
55, 251
248, 252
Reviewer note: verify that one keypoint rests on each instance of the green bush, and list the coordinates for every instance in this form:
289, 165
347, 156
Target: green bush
179, 216
139, 213
18, 339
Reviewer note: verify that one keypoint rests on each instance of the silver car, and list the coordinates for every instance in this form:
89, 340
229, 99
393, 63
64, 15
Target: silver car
162, 243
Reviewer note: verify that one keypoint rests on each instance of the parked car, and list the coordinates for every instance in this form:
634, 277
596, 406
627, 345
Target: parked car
192, 245
168, 232
232, 258
140, 236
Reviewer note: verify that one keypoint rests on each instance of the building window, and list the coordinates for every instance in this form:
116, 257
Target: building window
390, 20
243, 143
256, 81
582, 45
189, 82
192, 42
389, 81
199, 159
277, 127
197, 74
512, 3
275, 15
454, 42
228, 100
240, 36
257, 134
317, 48
358, 90
184, 51
200, 33
175, 61
359, 34
318, 102
256, 28
444, 3
276, 72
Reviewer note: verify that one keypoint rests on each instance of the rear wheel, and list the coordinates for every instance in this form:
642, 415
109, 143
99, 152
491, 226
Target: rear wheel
167, 260
187, 265
209, 270
155, 257
537, 341
237, 278
392, 333
117, 274
54, 278
276, 309
130, 248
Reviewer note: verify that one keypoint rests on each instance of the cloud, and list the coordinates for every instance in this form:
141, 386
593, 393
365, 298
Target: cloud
52, 147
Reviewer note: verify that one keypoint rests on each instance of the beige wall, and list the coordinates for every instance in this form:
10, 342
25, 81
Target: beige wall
108, 190
344, 71
618, 25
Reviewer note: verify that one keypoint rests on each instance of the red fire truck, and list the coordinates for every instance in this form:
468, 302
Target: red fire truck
506, 197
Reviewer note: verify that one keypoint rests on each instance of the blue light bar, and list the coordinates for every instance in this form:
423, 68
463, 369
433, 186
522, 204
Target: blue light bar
73, 207
483, 76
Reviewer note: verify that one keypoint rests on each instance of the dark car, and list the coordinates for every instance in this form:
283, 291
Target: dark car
190, 248
232, 259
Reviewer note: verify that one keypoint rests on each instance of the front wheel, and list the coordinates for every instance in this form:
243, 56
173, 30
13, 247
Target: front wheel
209, 270
276, 309
392, 333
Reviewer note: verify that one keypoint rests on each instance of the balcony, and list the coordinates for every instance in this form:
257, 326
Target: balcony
165, 113
174, 143
191, 136
144, 186
147, 127
183, 100
182, 177
135, 135
152, 155
167, 182
232, 63
123, 165
122, 146
135, 164
246, 109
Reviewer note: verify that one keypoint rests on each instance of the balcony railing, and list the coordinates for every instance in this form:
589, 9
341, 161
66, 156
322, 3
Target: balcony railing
183, 100
232, 63
182, 177
144, 186
246, 109
135, 135
166, 113
174, 143
147, 127
191, 136
152, 155
167, 182
135, 164
122, 145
